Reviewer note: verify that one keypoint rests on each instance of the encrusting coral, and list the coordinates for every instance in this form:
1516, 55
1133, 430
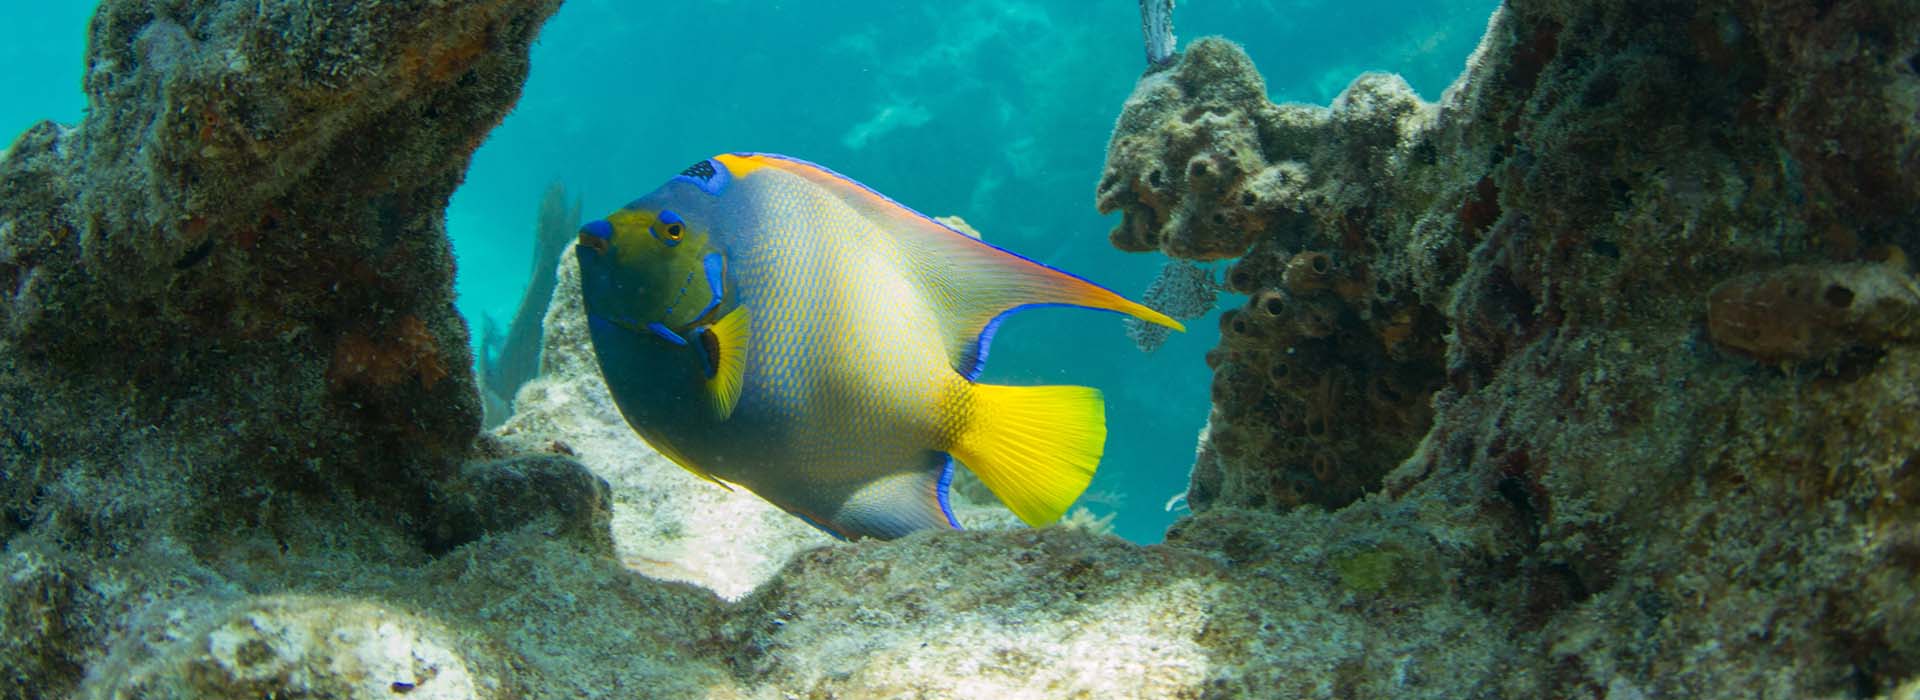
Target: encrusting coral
1549, 313
1502, 416
1807, 313
1202, 166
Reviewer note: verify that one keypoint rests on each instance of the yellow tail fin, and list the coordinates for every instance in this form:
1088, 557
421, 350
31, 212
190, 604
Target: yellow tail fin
1035, 446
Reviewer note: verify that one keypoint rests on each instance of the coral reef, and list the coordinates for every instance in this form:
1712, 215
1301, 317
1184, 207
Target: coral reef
1803, 313
1203, 167
227, 342
1505, 414
509, 361
1549, 313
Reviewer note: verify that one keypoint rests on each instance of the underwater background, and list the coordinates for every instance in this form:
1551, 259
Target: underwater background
994, 110
1596, 375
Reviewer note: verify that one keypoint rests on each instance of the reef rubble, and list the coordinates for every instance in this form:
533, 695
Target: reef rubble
1541, 390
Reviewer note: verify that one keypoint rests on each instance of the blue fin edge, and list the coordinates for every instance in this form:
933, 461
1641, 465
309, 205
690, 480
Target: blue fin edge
985, 342
660, 329
946, 481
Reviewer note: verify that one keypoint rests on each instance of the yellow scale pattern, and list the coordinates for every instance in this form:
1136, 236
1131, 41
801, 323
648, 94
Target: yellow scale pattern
849, 354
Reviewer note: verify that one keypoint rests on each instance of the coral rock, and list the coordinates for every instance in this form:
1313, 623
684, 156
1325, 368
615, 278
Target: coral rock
1509, 353
1490, 458
1186, 167
1803, 313
305, 646
1308, 271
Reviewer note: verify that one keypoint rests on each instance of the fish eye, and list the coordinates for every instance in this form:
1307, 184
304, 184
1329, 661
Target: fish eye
670, 230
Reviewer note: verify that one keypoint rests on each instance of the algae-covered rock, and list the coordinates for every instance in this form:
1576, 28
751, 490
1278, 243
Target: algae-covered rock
1528, 314
553, 494
303, 646
1814, 313
226, 323
1320, 379
1236, 605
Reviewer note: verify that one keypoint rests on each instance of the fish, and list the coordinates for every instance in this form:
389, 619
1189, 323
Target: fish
767, 323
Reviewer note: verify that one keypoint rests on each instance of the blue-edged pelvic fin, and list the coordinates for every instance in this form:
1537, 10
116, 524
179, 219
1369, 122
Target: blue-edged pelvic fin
973, 283
651, 271
901, 503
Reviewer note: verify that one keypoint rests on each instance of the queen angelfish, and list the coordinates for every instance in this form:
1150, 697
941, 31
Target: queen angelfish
766, 322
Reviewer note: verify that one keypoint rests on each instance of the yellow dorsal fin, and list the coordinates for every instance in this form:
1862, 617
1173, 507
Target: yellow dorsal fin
971, 282
1035, 446
725, 343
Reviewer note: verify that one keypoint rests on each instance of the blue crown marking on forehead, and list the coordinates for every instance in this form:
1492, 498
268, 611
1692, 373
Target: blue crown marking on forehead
709, 175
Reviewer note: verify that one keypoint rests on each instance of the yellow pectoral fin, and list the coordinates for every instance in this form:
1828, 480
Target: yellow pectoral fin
1035, 446
725, 343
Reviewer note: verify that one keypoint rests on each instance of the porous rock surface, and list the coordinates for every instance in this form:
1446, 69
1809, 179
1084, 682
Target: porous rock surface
240, 444
1626, 320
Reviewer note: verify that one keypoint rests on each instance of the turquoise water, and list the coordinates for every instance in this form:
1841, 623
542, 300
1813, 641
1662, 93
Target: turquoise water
996, 111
